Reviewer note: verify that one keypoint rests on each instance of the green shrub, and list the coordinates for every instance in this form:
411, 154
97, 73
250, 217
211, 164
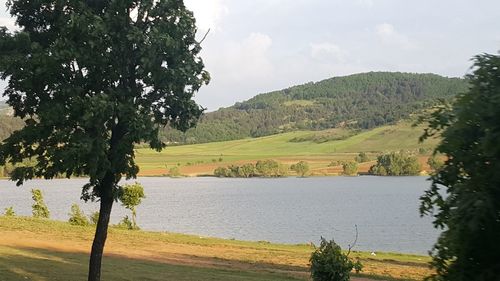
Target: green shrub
94, 217
301, 168
77, 217
270, 168
350, 168
396, 164
362, 157
131, 196
174, 172
435, 162
328, 263
126, 223
9, 212
39, 208
221, 172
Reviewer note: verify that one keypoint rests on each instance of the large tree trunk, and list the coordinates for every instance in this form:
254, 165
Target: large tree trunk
101, 233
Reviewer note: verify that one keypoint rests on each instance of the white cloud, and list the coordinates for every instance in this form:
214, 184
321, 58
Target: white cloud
327, 51
365, 3
208, 13
239, 61
9, 23
389, 36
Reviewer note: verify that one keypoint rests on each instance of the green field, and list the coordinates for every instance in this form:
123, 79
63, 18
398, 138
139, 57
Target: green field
397, 137
38, 249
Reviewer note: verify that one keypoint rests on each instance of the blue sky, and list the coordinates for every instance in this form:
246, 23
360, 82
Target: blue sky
263, 45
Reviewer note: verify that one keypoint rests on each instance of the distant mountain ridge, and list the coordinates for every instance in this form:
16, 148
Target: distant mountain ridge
360, 101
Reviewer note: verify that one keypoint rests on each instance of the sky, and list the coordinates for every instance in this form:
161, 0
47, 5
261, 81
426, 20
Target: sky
263, 45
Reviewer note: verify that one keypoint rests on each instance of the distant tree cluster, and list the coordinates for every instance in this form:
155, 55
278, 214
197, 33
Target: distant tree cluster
362, 157
396, 164
350, 168
301, 168
360, 101
263, 168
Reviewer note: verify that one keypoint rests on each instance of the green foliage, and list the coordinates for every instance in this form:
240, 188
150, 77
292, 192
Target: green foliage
39, 208
301, 168
266, 168
126, 223
464, 197
435, 162
131, 196
396, 164
362, 157
77, 217
360, 101
350, 168
94, 217
221, 172
328, 263
270, 168
9, 212
89, 83
325, 136
174, 172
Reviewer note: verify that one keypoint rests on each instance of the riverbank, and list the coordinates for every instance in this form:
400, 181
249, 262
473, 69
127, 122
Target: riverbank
43, 249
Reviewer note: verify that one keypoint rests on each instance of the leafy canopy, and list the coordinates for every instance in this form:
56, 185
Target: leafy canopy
464, 197
91, 78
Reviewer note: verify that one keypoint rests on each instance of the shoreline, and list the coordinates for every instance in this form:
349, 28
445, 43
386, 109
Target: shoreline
181, 249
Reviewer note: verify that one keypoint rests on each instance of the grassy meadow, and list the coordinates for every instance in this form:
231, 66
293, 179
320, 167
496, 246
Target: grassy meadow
38, 249
202, 159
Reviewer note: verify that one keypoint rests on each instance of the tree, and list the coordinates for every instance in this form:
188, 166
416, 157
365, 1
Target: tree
435, 162
396, 164
328, 263
362, 157
92, 78
350, 168
464, 197
301, 168
77, 217
39, 208
131, 196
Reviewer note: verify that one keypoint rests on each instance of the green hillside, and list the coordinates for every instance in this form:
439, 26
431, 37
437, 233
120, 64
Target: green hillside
360, 101
203, 158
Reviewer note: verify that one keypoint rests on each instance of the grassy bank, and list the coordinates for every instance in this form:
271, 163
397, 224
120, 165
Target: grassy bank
202, 159
50, 250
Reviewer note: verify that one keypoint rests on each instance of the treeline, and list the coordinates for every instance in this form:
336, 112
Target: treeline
263, 168
360, 101
396, 164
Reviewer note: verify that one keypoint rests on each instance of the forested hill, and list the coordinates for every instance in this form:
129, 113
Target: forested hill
359, 101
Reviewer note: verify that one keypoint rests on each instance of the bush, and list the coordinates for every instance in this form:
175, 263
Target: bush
328, 263
221, 172
362, 157
350, 168
174, 172
435, 163
126, 223
77, 217
39, 208
396, 164
9, 212
94, 217
301, 168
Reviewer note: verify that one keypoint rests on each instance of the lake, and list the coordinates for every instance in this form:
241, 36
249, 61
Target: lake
286, 210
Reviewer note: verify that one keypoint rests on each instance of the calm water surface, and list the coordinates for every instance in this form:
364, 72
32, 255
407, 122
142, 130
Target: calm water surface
289, 210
